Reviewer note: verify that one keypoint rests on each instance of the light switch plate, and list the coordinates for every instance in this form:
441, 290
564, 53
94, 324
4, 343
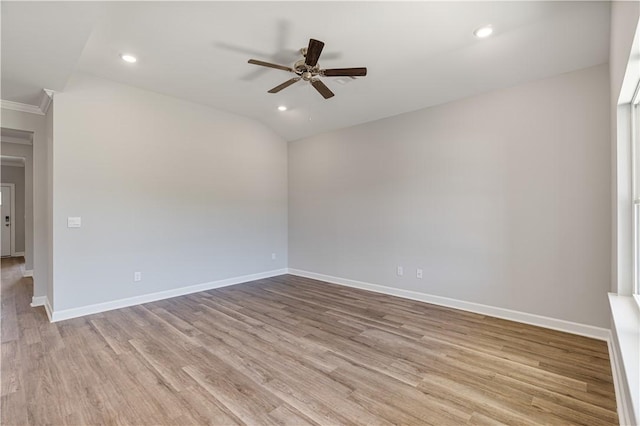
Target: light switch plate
74, 222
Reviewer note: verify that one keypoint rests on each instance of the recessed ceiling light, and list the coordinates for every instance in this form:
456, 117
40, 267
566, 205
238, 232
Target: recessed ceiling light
128, 58
282, 108
483, 32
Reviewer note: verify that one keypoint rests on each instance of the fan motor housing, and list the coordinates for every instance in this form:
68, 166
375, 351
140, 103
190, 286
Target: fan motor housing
305, 71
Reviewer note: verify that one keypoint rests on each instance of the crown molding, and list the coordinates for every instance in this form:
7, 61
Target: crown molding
46, 97
17, 106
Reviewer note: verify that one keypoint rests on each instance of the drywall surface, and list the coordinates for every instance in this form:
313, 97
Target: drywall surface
49, 205
36, 225
180, 192
501, 199
15, 175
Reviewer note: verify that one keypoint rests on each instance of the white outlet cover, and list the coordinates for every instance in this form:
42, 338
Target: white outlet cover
419, 273
74, 222
400, 271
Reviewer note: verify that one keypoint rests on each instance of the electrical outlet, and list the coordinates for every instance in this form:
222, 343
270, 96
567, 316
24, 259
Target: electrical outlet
137, 276
400, 271
273, 256
74, 222
419, 273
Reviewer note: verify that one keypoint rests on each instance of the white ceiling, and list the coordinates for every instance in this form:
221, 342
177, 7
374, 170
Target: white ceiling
41, 44
418, 54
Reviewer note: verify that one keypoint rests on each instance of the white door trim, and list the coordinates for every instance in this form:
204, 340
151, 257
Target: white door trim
12, 192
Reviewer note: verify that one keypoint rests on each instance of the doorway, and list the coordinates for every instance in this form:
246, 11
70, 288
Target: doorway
7, 217
12, 205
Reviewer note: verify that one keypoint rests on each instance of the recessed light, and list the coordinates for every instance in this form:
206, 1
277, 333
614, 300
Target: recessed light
282, 108
483, 32
128, 58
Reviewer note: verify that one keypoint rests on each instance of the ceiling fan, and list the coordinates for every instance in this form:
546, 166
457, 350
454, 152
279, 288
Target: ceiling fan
308, 69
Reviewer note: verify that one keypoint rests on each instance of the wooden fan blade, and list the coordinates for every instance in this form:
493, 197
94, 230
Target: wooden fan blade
313, 52
322, 88
284, 85
345, 72
270, 65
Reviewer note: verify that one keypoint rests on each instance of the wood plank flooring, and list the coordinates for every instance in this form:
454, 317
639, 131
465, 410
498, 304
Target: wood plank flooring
290, 350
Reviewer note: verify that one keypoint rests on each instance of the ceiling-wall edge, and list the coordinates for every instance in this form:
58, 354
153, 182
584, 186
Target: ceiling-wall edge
41, 109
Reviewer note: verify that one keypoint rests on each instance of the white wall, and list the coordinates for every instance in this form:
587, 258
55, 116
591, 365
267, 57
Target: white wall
181, 192
36, 225
15, 175
503, 199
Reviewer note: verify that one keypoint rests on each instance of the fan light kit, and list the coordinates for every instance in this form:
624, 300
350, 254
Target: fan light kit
308, 69
282, 108
483, 32
128, 58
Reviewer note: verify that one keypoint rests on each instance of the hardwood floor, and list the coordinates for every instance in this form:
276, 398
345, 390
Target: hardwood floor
290, 350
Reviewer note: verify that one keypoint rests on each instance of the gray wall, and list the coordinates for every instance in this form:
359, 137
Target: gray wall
502, 199
181, 192
15, 175
49, 200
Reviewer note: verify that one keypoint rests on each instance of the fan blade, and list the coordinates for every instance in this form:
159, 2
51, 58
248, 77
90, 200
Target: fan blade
345, 72
313, 52
270, 65
322, 88
284, 85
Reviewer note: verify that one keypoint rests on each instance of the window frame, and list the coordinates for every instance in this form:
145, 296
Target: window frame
634, 111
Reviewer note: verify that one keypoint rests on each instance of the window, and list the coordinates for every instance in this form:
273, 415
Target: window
635, 170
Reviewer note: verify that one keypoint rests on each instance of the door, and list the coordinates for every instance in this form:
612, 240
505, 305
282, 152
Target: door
5, 219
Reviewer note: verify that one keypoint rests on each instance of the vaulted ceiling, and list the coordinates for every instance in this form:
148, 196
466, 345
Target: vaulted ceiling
418, 54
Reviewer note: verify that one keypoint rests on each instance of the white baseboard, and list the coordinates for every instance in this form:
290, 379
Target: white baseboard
49, 310
152, 297
28, 273
17, 254
42, 301
38, 301
523, 317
